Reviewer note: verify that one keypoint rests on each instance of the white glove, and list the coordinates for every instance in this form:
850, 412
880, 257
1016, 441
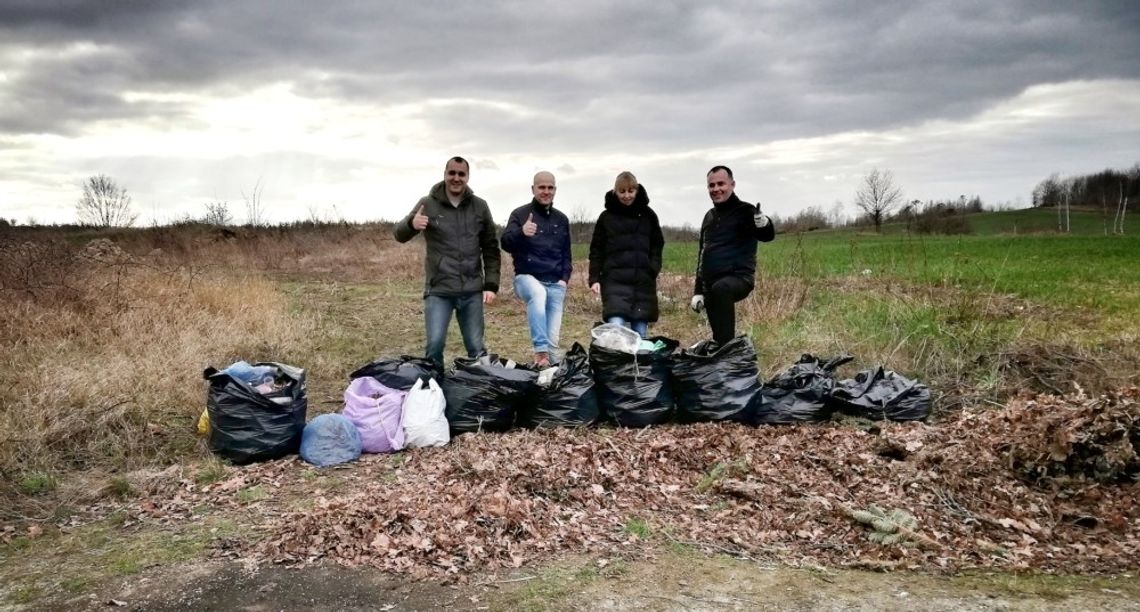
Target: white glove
760, 219
697, 303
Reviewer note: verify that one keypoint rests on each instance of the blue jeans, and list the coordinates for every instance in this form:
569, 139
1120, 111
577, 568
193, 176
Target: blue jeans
641, 327
543, 310
437, 318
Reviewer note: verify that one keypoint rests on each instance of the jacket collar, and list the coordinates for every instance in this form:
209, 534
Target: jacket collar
640, 202
730, 204
439, 192
541, 208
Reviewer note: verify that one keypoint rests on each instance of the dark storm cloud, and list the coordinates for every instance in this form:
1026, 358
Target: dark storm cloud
656, 74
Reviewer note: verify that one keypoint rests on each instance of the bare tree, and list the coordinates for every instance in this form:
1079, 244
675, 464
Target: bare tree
104, 203
878, 195
836, 215
581, 224
255, 215
1127, 184
218, 213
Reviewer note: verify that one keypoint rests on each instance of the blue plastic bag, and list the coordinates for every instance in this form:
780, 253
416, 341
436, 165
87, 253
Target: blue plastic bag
330, 439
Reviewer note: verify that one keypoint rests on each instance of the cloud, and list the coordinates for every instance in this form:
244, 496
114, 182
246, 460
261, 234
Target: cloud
363, 93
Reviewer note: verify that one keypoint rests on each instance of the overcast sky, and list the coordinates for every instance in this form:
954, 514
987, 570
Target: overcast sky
350, 109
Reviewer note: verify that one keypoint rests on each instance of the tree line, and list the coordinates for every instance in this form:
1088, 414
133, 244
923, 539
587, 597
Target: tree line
1113, 192
106, 203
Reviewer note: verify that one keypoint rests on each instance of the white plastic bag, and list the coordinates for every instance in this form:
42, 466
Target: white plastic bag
616, 338
424, 421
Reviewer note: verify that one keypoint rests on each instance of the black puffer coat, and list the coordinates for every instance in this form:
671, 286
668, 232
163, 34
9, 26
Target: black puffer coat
625, 257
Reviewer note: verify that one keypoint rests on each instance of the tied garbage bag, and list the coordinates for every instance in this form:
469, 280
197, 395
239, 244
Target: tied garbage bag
879, 394
399, 372
799, 394
716, 383
378, 413
485, 393
330, 439
633, 389
247, 425
569, 400
424, 420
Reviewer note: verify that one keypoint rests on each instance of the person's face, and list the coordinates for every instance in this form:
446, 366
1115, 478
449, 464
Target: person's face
626, 194
543, 188
455, 176
720, 186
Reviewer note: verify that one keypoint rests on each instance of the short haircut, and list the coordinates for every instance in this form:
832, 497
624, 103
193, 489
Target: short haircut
726, 169
625, 179
459, 160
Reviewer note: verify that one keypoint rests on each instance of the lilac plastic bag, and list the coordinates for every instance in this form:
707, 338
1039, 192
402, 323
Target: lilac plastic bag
378, 412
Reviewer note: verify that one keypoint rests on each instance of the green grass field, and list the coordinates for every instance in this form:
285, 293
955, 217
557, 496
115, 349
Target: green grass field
1084, 271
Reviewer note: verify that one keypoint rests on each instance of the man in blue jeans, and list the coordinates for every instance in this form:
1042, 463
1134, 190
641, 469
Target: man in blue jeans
538, 239
461, 264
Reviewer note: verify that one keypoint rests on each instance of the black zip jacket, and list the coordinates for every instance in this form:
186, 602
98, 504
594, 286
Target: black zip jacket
728, 243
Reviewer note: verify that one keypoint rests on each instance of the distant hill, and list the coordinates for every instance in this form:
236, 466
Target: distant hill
1082, 222
1041, 220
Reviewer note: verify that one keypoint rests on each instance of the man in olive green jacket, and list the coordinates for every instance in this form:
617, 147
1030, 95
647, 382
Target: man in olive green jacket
461, 266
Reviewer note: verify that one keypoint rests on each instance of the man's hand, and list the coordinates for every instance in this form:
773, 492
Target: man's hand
562, 284
420, 220
530, 228
760, 219
697, 303
596, 288
488, 297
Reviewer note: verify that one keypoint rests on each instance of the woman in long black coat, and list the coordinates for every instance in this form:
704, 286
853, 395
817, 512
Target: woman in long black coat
625, 256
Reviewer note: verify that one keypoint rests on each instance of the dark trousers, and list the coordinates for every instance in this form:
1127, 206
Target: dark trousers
721, 297
437, 318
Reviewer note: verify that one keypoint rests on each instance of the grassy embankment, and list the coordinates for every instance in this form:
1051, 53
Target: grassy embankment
102, 352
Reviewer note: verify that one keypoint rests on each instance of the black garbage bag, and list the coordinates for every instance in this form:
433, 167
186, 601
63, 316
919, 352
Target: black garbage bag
484, 394
882, 394
634, 390
248, 426
570, 399
799, 394
399, 372
712, 382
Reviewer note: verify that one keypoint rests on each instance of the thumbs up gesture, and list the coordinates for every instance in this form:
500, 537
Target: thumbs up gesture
760, 219
420, 220
530, 228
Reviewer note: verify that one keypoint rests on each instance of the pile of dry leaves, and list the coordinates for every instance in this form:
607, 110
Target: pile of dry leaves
1097, 438
942, 497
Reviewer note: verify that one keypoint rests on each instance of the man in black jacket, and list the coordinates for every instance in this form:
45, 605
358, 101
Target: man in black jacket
461, 265
538, 238
726, 259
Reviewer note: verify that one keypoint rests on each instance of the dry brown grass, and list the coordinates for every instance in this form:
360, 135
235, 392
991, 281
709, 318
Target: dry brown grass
102, 343
101, 347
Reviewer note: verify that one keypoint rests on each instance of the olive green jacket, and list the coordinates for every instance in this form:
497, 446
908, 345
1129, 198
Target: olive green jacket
462, 248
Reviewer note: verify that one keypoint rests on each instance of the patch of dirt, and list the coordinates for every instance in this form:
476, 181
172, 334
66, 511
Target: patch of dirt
687, 582
232, 586
668, 581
